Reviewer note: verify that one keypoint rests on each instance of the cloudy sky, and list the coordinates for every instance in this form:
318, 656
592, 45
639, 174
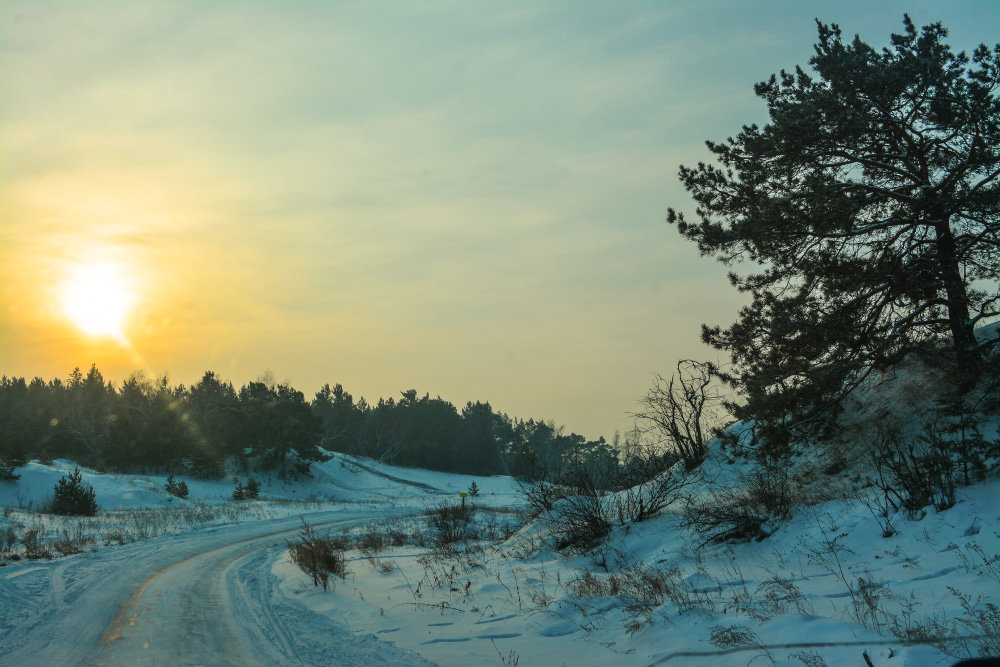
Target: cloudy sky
463, 198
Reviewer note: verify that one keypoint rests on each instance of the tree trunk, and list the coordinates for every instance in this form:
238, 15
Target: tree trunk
963, 338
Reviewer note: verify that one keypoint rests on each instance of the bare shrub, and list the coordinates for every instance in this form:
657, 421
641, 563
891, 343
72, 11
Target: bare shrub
926, 475
8, 539
976, 631
581, 521
933, 630
66, 547
116, 536
581, 504
866, 600
737, 636
589, 585
371, 542
541, 484
926, 471
680, 411
395, 537
512, 659
650, 480
808, 658
642, 591
752, 511
384, 567
882, 508
976, 561
646, 589
777, 595
865, 593
318, 556
33, 549
451, 523
542, 494
979, 618
572, 500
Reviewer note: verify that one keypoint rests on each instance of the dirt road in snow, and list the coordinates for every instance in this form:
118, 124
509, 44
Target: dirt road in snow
205, 599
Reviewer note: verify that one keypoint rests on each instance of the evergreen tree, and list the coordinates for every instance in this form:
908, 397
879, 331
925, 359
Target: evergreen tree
73, 497
214, 410
175, 488
870, 203
7, 471
239, 491
277, 421
88, 417
341, 419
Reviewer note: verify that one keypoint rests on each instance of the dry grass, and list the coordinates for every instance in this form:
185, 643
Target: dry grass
317, 555
26, 533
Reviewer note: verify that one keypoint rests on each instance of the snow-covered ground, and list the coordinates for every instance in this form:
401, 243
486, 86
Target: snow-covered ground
823, 589
341, 478
650, 596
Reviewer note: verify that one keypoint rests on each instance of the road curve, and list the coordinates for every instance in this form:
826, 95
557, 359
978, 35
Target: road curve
201, 600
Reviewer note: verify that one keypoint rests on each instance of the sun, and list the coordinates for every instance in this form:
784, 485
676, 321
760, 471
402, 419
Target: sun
96, 298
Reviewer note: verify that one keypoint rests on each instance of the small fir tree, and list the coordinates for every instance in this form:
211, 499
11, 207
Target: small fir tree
474, 489
7, 471
174, 488
239, 492
252, 489
73, 497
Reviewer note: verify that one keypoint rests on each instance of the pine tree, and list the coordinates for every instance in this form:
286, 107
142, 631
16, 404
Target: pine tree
7, 471
252, 489
870, 203
73, 497
239, 491
174, 488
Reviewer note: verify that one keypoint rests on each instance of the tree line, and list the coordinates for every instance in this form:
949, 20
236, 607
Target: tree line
149, 424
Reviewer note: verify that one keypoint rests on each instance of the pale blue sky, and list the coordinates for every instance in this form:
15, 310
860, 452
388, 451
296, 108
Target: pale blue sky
463, 198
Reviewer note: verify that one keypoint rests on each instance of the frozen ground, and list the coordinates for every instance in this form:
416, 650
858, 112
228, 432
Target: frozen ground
209, 581
518, 602
342, 478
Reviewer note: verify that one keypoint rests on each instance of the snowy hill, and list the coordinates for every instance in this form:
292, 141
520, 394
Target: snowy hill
341, 478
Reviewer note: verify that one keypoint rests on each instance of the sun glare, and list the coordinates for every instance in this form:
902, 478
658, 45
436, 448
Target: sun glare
96, 299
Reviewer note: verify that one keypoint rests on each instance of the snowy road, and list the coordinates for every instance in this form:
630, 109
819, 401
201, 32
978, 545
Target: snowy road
206, 598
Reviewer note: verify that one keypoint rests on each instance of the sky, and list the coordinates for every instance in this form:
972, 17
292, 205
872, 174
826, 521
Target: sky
467, 199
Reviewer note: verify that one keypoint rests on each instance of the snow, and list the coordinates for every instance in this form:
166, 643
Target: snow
825, 585
494, 603
341, 478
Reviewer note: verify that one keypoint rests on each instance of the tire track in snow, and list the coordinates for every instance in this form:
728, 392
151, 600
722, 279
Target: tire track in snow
204, 598
190, 613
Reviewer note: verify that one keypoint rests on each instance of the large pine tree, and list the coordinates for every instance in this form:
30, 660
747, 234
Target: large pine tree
869, 205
